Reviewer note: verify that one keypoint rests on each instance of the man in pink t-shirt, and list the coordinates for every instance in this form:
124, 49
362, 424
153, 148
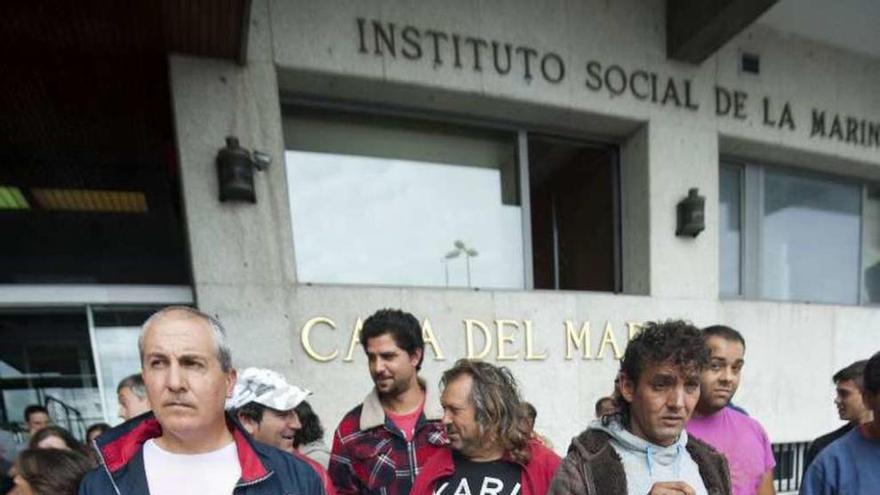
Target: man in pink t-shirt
740, 438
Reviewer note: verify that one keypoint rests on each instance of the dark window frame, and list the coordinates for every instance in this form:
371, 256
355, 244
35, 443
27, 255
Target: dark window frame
291, 103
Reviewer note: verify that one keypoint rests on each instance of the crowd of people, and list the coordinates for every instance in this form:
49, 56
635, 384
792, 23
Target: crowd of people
195, 425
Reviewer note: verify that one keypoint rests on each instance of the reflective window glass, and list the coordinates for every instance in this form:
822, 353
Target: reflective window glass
729, 229
810, 239
116, 336
394, 202
46, 358
871, 246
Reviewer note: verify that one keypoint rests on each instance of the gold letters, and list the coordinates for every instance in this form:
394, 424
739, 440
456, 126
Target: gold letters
504, 339
431, 340
581, 340
633, 328
355, 340
506, 334
530, 355
608, 339
305, 337
469, 334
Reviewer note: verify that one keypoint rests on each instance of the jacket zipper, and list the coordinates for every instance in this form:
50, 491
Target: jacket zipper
104, 465
254, 482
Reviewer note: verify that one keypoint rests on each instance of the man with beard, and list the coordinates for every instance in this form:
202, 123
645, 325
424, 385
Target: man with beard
644, 448
382, 444
740, 438
850, 407
493, 449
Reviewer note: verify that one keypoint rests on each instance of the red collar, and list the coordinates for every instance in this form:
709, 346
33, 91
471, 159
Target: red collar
117, 452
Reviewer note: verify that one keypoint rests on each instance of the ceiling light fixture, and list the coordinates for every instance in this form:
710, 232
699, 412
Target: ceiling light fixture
91, 200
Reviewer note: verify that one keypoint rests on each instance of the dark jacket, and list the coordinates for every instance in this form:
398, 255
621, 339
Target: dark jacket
535, 477
592, 467
264, 469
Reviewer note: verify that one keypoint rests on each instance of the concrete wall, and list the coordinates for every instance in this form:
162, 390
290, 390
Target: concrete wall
243, 257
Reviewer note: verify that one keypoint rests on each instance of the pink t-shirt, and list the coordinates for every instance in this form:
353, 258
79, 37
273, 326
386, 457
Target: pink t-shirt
743, 442
406, 423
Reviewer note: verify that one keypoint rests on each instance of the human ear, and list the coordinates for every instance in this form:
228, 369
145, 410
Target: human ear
627, 387
231, 378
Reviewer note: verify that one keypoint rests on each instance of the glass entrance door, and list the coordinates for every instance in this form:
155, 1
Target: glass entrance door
71, 358
114, 338
46, 358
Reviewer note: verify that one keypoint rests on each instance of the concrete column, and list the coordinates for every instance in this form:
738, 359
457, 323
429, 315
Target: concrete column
212, 99
682, 156
243, 264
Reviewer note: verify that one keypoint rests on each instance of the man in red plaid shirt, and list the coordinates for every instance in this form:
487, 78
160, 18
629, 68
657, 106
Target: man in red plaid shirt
382, 444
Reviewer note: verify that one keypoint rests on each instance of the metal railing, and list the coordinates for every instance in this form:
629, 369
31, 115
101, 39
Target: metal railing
69, 418
788, 474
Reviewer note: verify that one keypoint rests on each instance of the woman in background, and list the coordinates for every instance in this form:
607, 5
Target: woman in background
92, 433
309, 439
50, 471
95, 431
56, 437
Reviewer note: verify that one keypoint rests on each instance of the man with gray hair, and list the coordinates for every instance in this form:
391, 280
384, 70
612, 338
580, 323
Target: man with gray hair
132, 397
188, 444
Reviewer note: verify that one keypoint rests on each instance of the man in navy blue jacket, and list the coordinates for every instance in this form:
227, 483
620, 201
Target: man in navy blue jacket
187, 444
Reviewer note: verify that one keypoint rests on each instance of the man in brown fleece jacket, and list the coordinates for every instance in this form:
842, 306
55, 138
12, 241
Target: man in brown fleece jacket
644, 449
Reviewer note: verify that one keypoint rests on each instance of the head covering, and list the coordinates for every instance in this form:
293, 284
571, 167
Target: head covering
265, 387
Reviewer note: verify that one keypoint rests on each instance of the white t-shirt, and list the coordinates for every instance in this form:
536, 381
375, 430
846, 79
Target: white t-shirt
211, 473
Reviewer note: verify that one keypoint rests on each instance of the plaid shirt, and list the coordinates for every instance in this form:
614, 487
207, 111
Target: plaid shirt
370, 454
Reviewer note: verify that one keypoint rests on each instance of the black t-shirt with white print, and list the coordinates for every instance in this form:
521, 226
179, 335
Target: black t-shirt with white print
481, 478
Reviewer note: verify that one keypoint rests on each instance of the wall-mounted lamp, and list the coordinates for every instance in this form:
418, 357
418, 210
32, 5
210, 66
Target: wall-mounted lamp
235, 171
691, 214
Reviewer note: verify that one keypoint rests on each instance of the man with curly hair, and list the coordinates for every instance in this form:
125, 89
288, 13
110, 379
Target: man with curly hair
644, 448
493, 449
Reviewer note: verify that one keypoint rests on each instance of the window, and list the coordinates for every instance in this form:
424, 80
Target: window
379, 200
45, 358
90, 188
795, 236
730, 231
115, 342
70, 360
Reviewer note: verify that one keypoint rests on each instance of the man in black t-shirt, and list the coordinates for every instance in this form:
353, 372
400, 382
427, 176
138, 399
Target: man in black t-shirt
492, 446
497, 477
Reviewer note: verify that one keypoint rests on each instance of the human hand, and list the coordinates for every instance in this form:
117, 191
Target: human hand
672, 488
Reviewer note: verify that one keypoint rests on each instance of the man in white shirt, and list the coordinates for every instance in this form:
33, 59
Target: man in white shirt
188, 444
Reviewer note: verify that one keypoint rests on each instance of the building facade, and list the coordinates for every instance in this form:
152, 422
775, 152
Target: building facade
510, 172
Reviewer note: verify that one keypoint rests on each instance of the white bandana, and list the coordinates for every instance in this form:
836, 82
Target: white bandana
265, 387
